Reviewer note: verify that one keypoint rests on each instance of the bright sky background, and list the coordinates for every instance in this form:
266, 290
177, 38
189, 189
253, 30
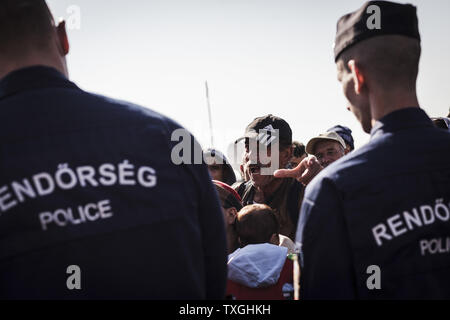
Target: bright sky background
258, 56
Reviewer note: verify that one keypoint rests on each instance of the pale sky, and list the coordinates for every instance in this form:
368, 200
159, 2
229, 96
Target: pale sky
258, 56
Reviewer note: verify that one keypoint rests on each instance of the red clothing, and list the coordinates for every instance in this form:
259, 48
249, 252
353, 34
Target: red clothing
274, 292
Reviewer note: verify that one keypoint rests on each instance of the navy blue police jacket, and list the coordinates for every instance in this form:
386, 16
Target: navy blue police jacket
92, 205
376, 223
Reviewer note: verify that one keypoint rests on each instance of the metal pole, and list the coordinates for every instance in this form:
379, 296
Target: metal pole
209, 114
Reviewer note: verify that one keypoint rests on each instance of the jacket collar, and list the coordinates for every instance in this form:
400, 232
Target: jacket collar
401, 119
30, 78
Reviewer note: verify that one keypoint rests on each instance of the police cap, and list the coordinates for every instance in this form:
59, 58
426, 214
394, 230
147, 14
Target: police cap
375, 18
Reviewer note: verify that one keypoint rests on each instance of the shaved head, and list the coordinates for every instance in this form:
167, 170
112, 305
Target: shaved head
388, 61
24, 25
378, 76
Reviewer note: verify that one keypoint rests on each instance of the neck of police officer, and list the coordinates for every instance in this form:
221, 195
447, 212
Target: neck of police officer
46, 58
385, 102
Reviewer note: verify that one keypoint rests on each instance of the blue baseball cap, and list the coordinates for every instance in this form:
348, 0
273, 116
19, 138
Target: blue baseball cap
345, 134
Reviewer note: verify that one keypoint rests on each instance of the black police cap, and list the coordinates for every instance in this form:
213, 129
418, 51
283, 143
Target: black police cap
394, 18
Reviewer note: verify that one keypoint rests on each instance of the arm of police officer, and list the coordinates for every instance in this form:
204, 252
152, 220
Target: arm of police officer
211, 224
214, 239
326, 260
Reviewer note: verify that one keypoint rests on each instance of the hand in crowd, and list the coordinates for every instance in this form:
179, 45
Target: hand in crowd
306, 170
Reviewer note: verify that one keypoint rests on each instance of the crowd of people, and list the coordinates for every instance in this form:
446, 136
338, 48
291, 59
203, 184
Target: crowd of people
89, 181
262, 209
282, 195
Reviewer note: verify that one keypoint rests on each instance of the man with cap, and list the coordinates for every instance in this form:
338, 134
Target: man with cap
268, 147
346, 134
88, 187
375, 224
327, 148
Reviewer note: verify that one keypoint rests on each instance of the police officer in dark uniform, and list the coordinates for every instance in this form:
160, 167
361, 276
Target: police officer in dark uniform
376, 223
92, 204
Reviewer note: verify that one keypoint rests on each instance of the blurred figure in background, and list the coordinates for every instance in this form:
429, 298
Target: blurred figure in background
298, 154
219, 167
441, 122
346, 134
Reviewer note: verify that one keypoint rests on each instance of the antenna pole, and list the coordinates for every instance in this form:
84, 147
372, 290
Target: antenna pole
209, 113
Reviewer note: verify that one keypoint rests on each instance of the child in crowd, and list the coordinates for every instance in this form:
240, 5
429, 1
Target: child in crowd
260, 268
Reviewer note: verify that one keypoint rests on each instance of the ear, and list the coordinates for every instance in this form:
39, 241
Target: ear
62, 37
275, 239
358, 78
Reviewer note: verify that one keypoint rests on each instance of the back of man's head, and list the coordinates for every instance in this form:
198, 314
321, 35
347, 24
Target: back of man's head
24, 25
255, 224
383, 40
390, 61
